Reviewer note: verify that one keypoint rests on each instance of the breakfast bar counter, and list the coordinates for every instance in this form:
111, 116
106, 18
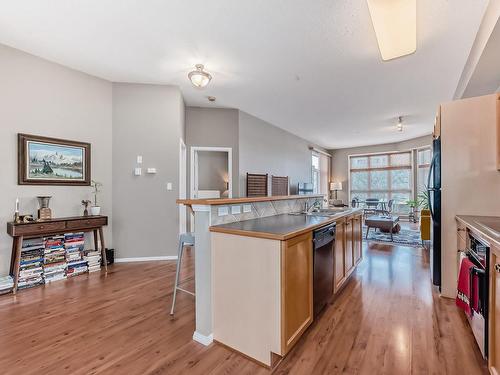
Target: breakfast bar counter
282, 227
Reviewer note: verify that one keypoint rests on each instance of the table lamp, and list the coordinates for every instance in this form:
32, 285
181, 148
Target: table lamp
335, 186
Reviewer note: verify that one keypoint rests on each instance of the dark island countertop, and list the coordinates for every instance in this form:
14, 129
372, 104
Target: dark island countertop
280, 227
488, 226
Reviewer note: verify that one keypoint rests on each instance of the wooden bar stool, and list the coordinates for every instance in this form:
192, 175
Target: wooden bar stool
185, 239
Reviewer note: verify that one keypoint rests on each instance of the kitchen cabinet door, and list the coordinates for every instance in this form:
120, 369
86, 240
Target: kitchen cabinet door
357, 239
494, 313
348, 250
296, 289
339, 263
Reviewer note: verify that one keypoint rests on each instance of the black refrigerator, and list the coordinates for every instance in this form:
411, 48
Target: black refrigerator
434, 200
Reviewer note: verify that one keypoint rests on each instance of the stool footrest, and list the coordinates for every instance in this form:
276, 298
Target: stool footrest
185, 291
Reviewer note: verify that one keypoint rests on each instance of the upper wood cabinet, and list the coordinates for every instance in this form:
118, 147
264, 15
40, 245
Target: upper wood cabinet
494, 312
339, 263
296, 289
437, 124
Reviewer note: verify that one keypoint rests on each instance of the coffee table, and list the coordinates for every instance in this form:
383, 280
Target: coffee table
385, 223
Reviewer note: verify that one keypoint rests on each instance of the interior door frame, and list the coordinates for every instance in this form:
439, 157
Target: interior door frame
182, 185
193, 181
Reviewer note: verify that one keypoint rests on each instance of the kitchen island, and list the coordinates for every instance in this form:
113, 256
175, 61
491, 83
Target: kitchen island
262, 284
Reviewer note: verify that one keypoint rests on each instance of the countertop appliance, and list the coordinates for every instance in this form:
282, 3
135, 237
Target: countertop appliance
323, 247
464, 178
479, 254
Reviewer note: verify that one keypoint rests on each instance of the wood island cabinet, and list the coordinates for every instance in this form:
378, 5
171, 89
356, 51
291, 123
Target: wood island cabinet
348, 249
263, 288
296, 289
339, 253
357, 233
349, 246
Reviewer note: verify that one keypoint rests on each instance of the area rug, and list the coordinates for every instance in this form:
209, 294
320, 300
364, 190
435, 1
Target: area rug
405, 237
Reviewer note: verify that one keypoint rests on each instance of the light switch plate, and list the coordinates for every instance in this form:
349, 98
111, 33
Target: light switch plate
151, 170
236, 210
139, 159
223, 211
137, 171
169, 186
247, 208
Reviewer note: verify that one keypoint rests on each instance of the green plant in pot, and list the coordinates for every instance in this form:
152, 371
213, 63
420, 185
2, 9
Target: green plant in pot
95, 209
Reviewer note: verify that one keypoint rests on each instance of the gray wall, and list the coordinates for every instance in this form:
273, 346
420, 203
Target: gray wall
212, 170
265, 148
213, 127
340, 165
42, 98
148, 120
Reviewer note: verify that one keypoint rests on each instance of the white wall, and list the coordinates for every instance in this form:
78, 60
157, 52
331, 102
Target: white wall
148, 120
340, 164
265, 148
42, 98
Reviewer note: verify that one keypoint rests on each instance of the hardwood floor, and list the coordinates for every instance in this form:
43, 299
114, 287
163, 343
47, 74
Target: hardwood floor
386, 321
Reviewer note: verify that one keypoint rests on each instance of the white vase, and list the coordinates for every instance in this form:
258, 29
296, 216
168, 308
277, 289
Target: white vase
95, 210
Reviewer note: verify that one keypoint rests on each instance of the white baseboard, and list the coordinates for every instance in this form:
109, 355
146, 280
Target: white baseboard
202, 339
145, 259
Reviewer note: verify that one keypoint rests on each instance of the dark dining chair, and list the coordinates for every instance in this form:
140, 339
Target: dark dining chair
371, 207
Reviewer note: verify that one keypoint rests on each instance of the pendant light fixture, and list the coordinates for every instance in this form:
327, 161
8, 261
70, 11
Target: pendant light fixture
400, 123
199, 77
395, 24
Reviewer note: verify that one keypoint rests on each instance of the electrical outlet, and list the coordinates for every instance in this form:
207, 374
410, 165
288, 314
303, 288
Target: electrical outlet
137, 171
139, 159
247, 208
223, 211
151, 170
235, 210
169, 186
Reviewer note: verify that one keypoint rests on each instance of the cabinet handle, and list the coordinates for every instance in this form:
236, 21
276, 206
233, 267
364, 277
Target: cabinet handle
41, 227
497, 267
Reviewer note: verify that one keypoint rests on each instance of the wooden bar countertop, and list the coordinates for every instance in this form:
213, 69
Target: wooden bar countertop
280, 227
488, 226
220, 201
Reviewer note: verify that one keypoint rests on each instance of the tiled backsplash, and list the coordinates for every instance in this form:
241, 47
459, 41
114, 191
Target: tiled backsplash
261, 209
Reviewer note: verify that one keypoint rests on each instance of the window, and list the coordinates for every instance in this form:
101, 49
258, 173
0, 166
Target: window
315, 173
384, 176
424, 157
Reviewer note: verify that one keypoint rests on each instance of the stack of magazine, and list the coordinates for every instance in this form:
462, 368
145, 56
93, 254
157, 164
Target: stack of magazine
93, 258
54, 265
30, 269
74, 244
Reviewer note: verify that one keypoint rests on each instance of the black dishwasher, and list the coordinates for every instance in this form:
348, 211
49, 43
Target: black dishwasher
323, 247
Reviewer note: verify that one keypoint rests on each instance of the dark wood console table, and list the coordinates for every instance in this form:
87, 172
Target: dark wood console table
20, 231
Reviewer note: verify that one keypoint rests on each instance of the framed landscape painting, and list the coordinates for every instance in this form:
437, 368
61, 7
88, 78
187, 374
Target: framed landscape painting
52, 161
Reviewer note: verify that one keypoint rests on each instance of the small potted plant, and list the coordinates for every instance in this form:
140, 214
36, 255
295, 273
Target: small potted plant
412, 215
95, 209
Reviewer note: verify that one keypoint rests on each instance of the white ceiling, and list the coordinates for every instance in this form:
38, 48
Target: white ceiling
310, 67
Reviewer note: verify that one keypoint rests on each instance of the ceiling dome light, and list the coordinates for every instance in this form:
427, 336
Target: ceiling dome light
400, 124
199, 78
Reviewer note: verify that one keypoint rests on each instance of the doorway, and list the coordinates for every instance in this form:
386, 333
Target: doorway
211, 174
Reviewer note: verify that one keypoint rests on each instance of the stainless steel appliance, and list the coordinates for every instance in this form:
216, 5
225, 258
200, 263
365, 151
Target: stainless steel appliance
434, 201
479, 254
323, 246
